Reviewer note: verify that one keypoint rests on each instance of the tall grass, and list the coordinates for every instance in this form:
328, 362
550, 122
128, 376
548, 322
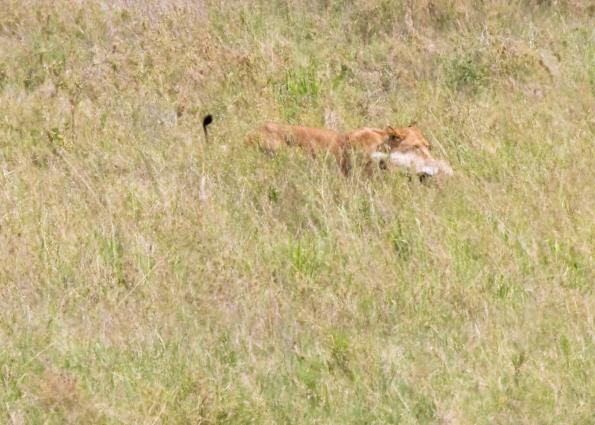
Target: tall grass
148, 278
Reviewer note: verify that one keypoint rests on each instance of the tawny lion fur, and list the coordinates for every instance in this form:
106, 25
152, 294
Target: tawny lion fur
404, 147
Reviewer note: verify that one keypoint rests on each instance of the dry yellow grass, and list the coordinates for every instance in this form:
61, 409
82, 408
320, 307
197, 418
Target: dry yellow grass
147, 279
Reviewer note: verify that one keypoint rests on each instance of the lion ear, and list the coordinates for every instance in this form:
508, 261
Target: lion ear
390, 129
394, 140
412, 123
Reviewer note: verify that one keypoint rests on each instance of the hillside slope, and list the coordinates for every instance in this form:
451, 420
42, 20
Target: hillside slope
147, 278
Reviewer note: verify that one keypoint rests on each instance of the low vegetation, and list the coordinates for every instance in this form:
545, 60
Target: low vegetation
147, 278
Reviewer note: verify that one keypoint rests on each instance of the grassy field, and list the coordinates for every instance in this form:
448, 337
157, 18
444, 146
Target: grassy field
146, 278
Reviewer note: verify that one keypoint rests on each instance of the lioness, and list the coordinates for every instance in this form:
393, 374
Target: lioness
404, 147
271, 137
